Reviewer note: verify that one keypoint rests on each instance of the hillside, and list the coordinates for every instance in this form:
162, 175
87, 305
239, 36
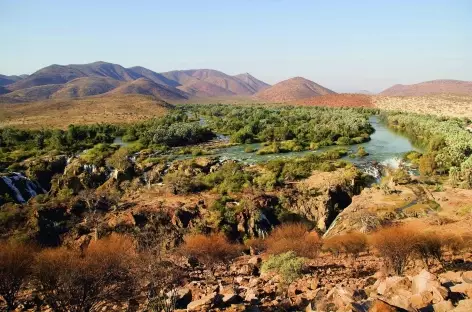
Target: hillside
255, 84
6, 80
202, 82
100, 77
338, 100
85, 86
430, 87
90, 110
145, 86
292, 89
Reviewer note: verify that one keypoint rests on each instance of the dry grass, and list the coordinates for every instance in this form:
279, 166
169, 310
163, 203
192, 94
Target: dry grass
90, 110
293, 237
439, 104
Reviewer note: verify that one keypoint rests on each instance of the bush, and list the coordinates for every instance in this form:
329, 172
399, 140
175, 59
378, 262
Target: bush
257, 245
15, 267
427, 165
179, 182
119, 159
351, 243
288, 265
429, 247
209, 250
293, 237
396, 245
71, 281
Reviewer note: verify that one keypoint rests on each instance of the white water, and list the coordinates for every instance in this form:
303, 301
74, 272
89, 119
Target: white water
14, 189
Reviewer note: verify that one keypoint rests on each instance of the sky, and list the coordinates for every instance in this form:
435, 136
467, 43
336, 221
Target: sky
346, 46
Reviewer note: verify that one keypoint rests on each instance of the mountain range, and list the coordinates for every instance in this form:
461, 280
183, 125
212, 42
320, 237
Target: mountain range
430, 87
81, 80
62, 82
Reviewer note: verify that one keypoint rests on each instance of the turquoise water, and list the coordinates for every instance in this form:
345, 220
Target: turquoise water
385, 146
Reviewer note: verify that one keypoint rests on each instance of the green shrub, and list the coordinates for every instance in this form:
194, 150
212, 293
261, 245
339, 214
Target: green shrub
287, 265
97, 154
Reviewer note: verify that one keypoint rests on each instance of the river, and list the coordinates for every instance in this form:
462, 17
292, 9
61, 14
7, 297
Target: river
385, 146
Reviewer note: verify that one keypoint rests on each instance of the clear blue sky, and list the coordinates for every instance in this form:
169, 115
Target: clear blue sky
343, 45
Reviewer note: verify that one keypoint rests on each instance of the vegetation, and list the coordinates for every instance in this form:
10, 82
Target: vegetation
448, 143
293, 238
287, 264
16, 263
211, 250
296, 128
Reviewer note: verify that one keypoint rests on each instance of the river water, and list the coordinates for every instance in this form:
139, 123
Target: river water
385, 146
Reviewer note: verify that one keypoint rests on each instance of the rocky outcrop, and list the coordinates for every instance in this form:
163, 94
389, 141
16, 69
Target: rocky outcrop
324, 195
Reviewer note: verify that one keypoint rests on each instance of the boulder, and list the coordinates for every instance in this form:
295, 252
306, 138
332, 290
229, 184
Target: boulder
381, 306
464, 306
391, 284
450, 277
463, 288
251, 297
467, 277
183, 296
205, 303
443, 306
231, 298
340, 296
419, 301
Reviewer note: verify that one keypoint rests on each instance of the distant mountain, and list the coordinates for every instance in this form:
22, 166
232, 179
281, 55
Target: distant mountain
3, 90
86, 86
6, 80
79, 80
200, 88
255, 84
145, 86
292, 89
430, 87
31, 94
202, 81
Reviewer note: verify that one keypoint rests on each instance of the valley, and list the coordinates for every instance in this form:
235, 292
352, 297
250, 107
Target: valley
218, 182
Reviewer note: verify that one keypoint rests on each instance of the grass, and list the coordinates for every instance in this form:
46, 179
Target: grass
91, 110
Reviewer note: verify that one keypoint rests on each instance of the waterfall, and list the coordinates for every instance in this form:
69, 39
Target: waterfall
20, 187
14, 189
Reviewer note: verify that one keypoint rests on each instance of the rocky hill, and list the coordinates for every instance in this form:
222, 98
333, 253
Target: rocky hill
145, 86
430, 87
292, 89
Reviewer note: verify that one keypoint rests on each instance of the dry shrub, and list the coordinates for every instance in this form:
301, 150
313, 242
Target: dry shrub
256, 245
429, 247
293, 237
350, 243
74, 281
396, 245
162, 279
209, 250
16, 262
457, 242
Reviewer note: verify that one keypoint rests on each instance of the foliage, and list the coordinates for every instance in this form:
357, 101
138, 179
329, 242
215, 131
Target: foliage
396, 244
287, 264
210, 250
449, 144
293, 237
295, 128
